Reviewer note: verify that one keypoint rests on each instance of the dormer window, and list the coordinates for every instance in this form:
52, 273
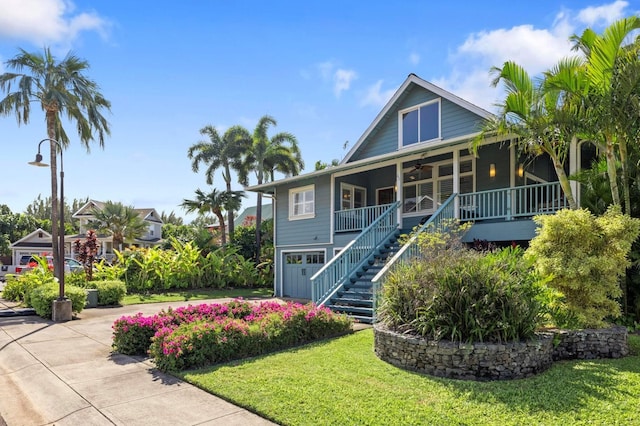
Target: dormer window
420, 124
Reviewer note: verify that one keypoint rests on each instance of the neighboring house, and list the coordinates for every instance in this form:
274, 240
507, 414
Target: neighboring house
248, 215
36, 243
411, 162
152, 237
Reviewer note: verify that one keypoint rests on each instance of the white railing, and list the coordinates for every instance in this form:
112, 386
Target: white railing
358, 219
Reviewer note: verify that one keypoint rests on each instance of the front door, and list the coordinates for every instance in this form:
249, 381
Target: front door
298, 268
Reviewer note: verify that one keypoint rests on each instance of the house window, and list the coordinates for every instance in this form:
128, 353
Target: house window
426, 188
420, 124
302, 202
353, 197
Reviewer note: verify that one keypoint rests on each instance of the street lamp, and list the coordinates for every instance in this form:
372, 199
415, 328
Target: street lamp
62, 306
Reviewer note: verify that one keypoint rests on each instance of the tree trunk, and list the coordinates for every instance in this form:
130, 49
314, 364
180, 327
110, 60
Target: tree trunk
565, 184
230, 212
612, 171
55, 210
223, 232
622, 148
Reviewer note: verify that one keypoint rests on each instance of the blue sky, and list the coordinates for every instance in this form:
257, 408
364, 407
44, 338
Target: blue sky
322, 69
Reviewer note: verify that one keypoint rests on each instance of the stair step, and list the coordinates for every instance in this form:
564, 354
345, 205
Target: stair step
353, 294
362, 319
352, 310
347, 301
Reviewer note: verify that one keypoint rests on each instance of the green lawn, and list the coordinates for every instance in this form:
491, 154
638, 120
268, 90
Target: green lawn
197, 294
342, 382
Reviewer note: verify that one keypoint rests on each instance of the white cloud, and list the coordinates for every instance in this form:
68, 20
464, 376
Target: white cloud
342, 80
414, 58
535, 49
375, 96
603, 15
46, 21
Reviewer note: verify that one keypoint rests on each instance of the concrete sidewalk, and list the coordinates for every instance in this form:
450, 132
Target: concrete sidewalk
66, 374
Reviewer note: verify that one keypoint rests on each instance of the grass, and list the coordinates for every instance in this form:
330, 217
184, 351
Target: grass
342, 382
196, 294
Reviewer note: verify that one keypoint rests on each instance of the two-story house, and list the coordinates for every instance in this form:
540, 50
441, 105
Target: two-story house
411, 164
151, 237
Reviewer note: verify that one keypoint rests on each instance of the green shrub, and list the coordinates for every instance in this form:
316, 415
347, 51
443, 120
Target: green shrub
19, 287
42, 298
109, 292
585, 256
78, 279
461, 295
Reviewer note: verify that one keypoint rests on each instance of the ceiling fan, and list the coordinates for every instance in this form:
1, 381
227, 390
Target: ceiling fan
418, 168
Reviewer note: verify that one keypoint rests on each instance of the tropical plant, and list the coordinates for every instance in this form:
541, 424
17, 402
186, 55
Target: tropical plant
122, 222
585, 256
533, 114
86, 252
171, 219
214, 202
220, 153
265, 156
606, 85
59, 88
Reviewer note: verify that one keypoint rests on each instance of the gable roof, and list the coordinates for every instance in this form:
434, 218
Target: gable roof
30, 241
148, 214
399, 94
402, 91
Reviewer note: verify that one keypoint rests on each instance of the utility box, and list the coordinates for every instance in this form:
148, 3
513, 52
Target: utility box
92, 298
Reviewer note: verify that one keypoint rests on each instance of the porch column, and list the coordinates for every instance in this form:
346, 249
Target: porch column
398, 188
456, 182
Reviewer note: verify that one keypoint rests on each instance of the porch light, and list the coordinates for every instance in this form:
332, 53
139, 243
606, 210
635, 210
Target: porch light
492, 170
520, 170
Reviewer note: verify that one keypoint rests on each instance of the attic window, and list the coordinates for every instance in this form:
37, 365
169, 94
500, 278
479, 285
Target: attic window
420, 124
40, 234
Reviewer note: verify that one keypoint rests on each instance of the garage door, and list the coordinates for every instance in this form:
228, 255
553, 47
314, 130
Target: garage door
298, 269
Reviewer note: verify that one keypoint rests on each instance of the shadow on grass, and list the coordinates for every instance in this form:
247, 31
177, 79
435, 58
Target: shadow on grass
567, 387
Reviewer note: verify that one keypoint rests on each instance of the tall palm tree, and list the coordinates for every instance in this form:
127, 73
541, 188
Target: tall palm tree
59, 87
122, 222
220, 153
612, 75
267, 155
215, 202
535, 115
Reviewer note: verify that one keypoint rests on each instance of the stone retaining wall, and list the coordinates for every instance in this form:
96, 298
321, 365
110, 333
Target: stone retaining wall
590, 343
477, 361
487, 361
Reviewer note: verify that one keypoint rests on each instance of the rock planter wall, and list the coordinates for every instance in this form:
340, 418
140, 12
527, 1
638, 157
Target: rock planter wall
590, 343
476, 361
487, 361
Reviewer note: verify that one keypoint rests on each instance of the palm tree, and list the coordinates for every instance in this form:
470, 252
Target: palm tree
221, 153
534, 114
214, 202
122, 222
612, 74
267, 155
60, 88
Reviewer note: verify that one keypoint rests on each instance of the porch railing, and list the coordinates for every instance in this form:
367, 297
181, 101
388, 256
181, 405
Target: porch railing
437, 222
328, 280
358, 219
511, 203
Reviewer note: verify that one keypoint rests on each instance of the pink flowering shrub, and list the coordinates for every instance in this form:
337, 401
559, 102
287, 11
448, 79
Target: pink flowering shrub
205, 334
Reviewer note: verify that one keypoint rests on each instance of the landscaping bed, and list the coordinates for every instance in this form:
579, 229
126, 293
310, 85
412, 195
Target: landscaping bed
205, 334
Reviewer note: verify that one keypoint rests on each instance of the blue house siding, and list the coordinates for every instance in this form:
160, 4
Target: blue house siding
315, 230
455, 121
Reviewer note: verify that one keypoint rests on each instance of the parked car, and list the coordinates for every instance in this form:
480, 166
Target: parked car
70, 264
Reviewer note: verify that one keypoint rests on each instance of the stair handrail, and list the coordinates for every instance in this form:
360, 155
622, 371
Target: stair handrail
332, 276
410, 249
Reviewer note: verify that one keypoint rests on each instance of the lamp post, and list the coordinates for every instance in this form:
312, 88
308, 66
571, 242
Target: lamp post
62, 306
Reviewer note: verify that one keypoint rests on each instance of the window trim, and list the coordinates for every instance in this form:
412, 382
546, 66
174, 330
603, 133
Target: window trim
435, 179
299, 190
352, 188
414, 108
